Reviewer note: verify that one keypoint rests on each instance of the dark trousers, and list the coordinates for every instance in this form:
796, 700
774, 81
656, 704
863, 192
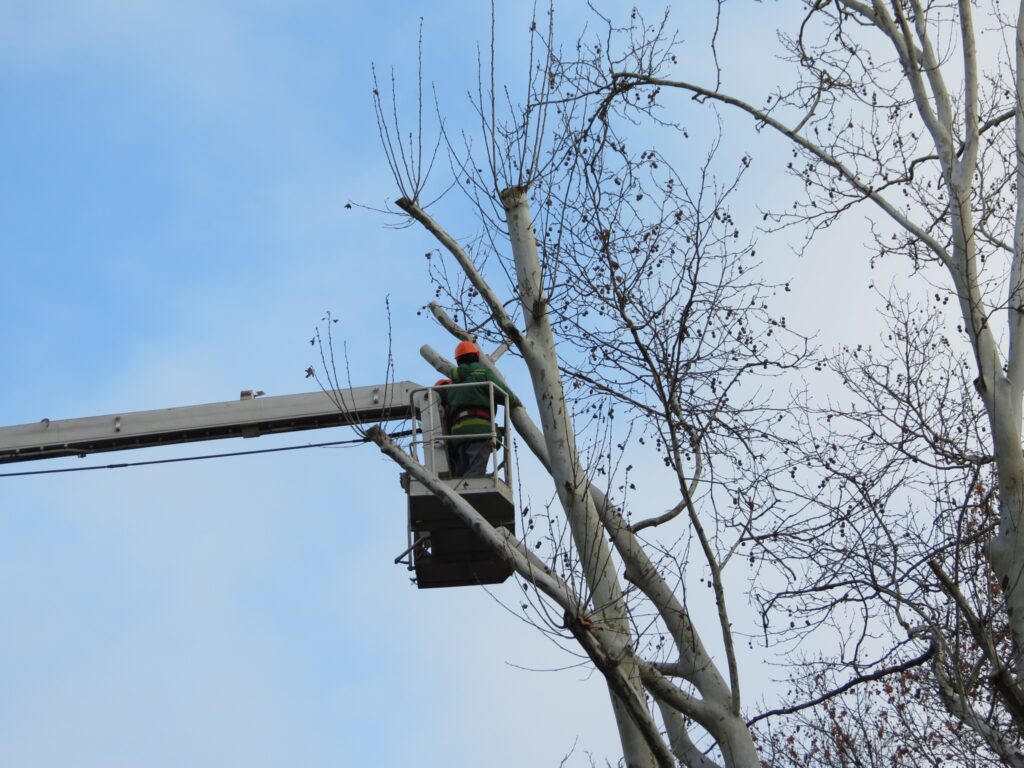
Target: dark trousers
471, 457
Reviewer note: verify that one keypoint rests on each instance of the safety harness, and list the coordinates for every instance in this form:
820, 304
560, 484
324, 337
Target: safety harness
471, 413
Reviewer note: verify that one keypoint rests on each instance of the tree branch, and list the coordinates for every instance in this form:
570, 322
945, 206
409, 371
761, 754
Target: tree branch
859, 680
494, 304
1012, 694
634, 78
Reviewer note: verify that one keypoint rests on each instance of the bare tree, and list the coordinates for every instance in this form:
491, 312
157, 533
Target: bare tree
626, 291
896, 108
886, 558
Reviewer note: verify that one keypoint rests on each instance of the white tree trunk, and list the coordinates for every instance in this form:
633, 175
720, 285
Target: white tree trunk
592, 518
571, 482
1007, 549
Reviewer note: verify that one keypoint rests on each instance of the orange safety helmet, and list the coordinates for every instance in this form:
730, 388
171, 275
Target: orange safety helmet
466, 348
442, 382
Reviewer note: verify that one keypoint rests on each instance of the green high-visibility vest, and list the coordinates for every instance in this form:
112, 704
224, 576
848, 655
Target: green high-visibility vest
470, 407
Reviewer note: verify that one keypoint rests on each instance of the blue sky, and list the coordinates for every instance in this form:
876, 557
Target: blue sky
172, 227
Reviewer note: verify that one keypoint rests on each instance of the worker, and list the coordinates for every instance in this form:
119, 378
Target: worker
442, 395
470, 410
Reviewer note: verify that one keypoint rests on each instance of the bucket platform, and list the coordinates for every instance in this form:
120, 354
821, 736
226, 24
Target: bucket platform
448, 552
443, 550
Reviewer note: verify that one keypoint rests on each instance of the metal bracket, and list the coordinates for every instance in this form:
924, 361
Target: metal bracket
403, 557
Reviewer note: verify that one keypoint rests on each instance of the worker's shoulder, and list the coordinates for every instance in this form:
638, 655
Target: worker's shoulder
469, 372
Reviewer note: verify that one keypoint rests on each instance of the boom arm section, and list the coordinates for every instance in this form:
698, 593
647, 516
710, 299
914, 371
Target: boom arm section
237, 418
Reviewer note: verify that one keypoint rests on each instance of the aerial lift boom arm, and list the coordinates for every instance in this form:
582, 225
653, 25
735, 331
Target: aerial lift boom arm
444, 551
238, 418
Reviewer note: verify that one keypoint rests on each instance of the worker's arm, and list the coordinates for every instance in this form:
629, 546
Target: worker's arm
496, 380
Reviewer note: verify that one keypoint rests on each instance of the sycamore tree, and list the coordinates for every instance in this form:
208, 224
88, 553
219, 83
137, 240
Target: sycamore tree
909, 112
624, 287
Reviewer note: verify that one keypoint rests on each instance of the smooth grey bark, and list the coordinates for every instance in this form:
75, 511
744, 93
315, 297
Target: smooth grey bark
592, 518
571, 482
